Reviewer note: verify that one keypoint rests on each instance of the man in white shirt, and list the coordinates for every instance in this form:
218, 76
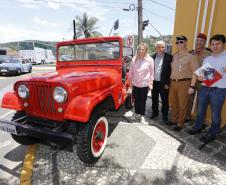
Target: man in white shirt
214, 94
161, 83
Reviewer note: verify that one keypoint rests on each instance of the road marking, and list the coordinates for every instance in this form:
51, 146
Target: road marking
45, 68
26, 173
6, 114
5, 90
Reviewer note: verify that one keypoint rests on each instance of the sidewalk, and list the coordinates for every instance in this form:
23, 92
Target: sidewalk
216, 148
137, 154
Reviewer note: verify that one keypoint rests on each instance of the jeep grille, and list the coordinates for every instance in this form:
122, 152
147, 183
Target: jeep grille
41, 96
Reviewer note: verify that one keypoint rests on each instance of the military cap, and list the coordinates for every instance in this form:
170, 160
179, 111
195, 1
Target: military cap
181, 37
202, 35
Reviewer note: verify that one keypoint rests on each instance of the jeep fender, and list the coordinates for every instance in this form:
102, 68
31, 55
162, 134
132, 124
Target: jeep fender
11, 101
80, 107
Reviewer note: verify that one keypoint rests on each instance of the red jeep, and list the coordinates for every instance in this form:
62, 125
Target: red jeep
68, 106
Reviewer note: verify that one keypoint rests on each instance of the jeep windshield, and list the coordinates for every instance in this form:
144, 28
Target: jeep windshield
89, 52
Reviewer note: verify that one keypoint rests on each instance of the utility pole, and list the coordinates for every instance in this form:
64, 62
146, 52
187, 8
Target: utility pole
140, 21
74, 29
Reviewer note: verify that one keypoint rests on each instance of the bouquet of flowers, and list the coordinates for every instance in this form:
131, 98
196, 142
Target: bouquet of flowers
210, 74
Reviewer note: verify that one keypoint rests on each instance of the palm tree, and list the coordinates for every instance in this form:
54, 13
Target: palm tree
86, 26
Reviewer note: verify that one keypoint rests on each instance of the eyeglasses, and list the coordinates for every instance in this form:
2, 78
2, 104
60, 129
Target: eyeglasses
180, 42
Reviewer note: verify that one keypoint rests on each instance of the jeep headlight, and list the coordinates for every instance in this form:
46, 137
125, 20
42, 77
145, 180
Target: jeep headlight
60, 95
23, 91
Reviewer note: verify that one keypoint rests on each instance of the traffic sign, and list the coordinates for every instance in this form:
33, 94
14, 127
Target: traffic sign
130, 41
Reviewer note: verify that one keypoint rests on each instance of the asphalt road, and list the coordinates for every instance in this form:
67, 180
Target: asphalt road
11, 153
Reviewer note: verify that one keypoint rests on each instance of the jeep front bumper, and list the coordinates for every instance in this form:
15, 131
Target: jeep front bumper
44, 133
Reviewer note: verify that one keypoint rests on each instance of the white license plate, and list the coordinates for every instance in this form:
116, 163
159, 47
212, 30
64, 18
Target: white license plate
8, 128
3, 70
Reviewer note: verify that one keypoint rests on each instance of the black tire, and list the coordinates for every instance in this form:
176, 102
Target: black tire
30, 70
24, 140
18, 72
124, 71
129, 103
89, 147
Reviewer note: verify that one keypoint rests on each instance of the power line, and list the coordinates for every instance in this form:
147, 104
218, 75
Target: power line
162, 5
160, 16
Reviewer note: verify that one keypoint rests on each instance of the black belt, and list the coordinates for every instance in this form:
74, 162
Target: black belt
183, 79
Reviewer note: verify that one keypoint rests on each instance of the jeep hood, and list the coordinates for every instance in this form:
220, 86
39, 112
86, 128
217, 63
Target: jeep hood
78, 82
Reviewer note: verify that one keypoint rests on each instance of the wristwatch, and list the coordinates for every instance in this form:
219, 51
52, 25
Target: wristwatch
192, 86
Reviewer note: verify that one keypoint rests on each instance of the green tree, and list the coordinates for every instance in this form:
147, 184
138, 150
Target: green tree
86, 26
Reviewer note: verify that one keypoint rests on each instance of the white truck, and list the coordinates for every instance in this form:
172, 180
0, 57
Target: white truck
36, 55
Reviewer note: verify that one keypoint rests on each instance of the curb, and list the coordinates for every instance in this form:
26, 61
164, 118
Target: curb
26, 173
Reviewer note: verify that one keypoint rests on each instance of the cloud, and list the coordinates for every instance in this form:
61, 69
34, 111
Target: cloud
43, 21
80, 5
53, 5
30, 3
10, 33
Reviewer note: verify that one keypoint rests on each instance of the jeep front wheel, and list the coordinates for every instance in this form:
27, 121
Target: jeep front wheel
24, 140
92, 139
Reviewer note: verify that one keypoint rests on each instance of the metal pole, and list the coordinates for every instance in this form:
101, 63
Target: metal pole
111, 30
140, 21
74, 28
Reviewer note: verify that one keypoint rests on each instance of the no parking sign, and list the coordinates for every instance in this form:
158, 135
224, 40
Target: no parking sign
130, 41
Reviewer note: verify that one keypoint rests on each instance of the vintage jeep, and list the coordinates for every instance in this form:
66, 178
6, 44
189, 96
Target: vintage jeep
68, 106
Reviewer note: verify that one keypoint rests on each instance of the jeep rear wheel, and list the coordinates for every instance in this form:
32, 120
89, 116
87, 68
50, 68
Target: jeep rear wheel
24, 140
92, 139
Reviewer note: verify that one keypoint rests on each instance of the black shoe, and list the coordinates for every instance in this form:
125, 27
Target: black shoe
204, 126
153, 116
165, 120
187, 120
195, 131
170, 123
207, 138
177, 128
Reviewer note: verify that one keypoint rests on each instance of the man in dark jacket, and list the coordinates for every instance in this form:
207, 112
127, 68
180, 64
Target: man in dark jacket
161, 80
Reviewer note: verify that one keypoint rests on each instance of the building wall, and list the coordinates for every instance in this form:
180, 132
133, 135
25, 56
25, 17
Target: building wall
206, 16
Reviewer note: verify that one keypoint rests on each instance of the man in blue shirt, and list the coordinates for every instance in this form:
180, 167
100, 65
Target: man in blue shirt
215, 93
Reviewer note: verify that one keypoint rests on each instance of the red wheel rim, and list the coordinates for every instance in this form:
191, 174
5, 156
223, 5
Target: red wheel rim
99, 135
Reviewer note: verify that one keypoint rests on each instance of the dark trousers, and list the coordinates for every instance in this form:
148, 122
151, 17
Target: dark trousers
140, 96
164, 94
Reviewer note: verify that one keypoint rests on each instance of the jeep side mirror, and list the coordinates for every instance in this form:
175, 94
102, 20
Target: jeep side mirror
127, 59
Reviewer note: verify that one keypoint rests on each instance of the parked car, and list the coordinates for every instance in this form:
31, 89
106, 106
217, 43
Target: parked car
14, 65
68, 106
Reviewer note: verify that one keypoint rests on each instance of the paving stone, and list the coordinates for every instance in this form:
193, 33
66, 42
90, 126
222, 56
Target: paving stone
221, 138
208, 149
220, 156
182, 134
214, 145
223, 150
193, 141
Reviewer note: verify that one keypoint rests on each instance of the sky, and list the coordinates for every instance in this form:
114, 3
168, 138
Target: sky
52, 20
